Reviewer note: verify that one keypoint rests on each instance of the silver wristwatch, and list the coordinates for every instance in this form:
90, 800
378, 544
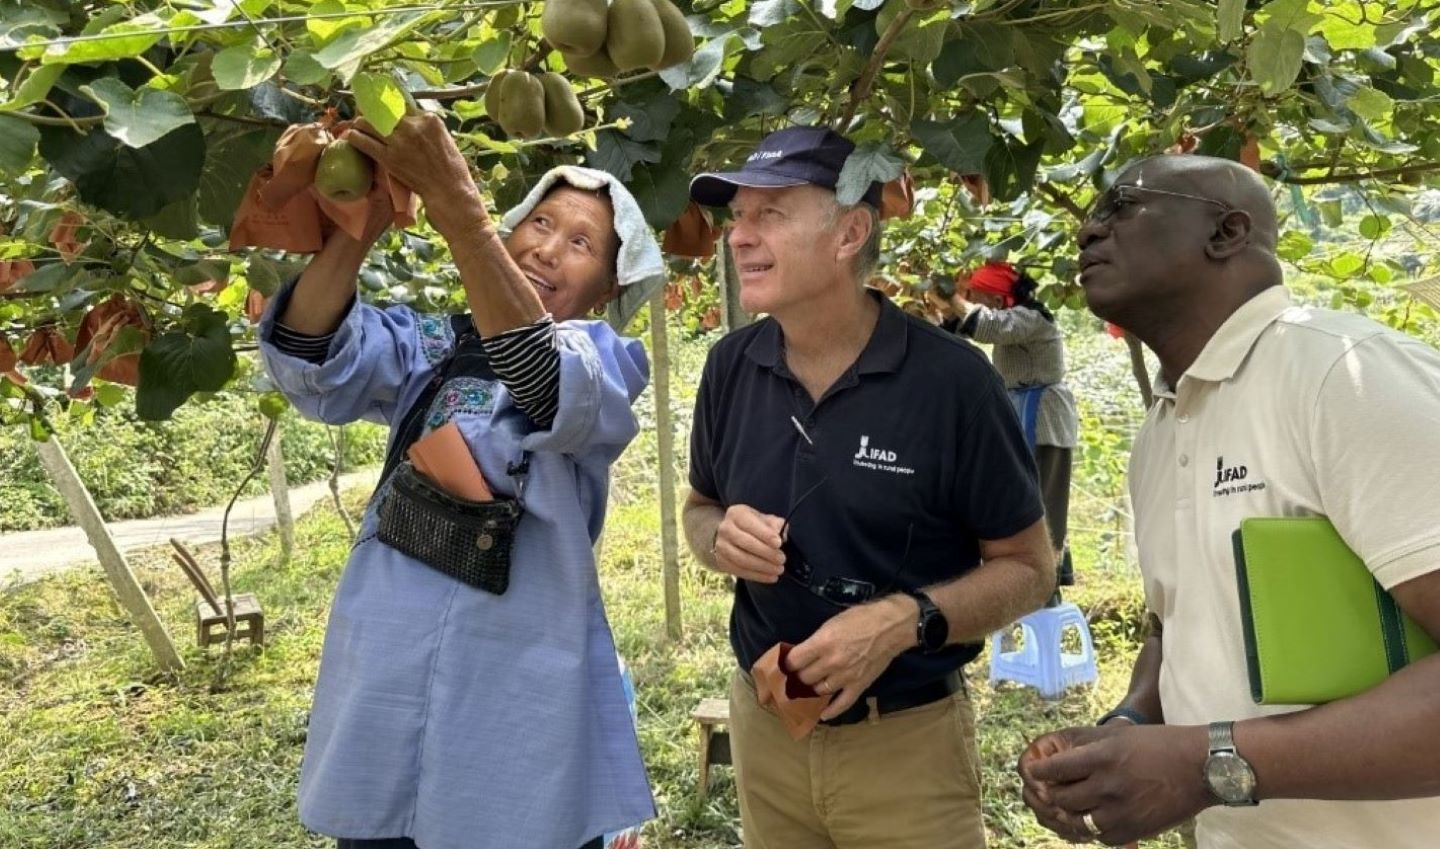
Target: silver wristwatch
1228, 775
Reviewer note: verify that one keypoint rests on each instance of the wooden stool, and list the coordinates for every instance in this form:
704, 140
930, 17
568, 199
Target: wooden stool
249, 621
714, 743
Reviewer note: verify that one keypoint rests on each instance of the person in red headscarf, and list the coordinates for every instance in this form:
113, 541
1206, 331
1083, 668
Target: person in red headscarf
996, 304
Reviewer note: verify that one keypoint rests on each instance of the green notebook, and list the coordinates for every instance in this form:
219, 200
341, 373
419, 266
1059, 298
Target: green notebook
1317, 625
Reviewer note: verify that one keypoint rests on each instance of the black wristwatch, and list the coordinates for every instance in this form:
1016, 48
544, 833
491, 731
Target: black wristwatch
932, 629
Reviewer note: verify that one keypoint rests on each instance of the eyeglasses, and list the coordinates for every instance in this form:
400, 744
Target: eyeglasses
837, 591
1117, 198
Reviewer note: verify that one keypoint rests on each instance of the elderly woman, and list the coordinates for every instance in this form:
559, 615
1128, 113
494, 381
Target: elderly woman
469, 693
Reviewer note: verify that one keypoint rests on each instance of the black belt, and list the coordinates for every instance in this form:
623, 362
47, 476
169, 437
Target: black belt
922, 695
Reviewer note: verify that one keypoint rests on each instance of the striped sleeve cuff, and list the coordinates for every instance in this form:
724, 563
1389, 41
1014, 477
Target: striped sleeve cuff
527, 361
312, 349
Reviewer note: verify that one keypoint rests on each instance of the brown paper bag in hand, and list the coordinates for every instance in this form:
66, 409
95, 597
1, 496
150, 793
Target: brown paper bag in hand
797, 704
297, 154
295, 227
442, 456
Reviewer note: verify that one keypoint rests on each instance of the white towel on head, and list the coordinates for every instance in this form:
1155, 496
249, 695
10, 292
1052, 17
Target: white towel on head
639, 267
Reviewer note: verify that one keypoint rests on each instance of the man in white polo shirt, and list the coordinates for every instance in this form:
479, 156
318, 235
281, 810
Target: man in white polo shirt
1264, 409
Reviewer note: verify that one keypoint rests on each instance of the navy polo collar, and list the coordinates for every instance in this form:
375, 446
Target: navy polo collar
882, 354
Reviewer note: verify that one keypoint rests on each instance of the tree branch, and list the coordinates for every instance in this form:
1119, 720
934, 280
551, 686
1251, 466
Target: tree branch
862, 88
1063, 200
1274, 173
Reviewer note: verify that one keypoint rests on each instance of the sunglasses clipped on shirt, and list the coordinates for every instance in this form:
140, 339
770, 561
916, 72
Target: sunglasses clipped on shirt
1117, 197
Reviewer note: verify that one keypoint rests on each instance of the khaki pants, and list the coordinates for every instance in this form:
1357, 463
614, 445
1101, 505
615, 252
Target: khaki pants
907, 780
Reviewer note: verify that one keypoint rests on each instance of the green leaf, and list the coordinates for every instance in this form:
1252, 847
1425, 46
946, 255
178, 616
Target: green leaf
109, 394
1293, 15
1340, 29
301, 67
354, 45
177, 220
1346, 264
244, 66
380, 100
1374, 226
870, 162
1371, 104
661, 191
132, 182
144, 37
959, 144
178, 364
56, 277
982, 47
787, 45
702, 69
17, 145
34, 88
1010, 168
1231, 20
1332, 212
266, 275
492, 54
651, 120
138, 118
769, 13
1294, 246
1275, 57
618, 154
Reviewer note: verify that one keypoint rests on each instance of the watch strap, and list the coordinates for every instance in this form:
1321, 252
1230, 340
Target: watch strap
1222, 737
1134, 716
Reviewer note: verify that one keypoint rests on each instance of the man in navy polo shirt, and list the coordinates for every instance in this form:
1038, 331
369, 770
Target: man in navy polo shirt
863, 477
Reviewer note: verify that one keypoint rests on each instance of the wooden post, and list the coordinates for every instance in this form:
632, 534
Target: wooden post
1137, 368
669, 544
732, 315
280, 491
122, 580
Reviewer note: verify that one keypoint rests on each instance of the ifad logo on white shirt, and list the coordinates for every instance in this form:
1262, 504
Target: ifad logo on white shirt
879, 459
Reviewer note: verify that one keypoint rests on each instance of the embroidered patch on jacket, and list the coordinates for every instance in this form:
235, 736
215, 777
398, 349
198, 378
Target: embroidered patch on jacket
436, 337
461, 396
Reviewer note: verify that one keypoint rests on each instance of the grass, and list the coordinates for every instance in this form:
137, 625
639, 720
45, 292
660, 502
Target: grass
100, 751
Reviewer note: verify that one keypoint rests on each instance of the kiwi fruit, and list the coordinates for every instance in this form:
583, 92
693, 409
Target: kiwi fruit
344, 174
597, 64
522, 105
575, 26
492, 93
563, 115
636, 37
679, 40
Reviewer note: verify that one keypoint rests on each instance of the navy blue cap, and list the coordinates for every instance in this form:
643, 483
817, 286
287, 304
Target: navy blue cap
795, 156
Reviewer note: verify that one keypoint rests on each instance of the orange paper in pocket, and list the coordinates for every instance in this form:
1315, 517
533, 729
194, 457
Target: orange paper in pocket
443, 457
796, 703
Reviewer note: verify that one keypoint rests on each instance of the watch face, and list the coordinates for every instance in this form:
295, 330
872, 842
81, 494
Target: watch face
933, 632
1230, 777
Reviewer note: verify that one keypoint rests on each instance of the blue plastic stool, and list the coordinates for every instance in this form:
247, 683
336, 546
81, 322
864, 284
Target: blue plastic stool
1039, 662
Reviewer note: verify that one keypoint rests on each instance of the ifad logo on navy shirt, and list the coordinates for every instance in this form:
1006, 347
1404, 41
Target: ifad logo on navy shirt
879, 459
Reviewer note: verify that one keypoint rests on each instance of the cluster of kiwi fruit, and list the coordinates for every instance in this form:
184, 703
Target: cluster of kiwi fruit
529, 105
597, 40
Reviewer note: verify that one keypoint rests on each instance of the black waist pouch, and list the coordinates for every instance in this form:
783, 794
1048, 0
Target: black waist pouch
468, 540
